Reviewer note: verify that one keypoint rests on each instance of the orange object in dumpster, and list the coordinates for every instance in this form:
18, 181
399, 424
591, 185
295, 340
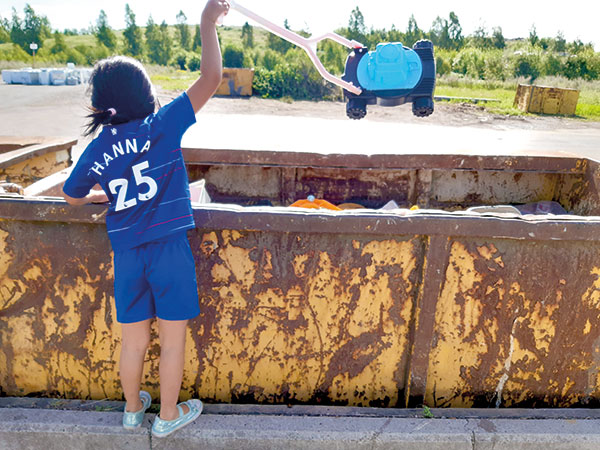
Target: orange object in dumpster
315, 203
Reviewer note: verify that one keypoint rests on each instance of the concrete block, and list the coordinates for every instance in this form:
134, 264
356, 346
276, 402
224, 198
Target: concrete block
59, 430
304, 433
515, 434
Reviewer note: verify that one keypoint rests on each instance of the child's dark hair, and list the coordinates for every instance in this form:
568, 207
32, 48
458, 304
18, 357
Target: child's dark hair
120, 91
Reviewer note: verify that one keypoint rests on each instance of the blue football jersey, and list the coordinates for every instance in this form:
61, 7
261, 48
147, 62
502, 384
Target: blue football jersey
140, 166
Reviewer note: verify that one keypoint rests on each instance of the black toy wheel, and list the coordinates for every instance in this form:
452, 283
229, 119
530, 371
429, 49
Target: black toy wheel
422, 107
356, 109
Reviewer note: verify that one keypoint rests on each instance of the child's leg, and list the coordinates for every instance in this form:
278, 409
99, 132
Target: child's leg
172, 351
135, 341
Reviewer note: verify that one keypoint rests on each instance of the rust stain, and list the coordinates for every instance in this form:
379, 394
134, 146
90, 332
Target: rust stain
504, 333
308, 325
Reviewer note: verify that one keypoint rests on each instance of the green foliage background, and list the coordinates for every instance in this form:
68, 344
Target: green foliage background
483, 64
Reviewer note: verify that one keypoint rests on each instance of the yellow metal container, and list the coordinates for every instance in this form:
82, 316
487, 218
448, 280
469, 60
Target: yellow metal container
236, 82
360, 308
27, 160
546, 100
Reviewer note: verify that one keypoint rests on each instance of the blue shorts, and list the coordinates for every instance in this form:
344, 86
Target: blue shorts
156, 279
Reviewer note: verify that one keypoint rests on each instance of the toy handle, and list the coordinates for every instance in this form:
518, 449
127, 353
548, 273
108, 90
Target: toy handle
308, 45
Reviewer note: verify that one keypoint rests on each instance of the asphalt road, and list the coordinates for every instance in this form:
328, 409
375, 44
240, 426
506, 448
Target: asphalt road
310, 126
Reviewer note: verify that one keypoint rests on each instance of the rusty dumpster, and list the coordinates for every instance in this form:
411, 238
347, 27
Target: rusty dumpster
25, 160
546, 100
439, 306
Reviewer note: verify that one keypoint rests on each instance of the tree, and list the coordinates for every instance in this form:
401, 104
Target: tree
159, 42
439, 33
134, 39
104, 33
413, 32
560, 43
33, 28
60, 46
4, 30
455, 31
498, 40
276, 43
197, 42
248, 35
183, 30
356, 26
395, 35
534, 39
480, 38
333, 56
150, 27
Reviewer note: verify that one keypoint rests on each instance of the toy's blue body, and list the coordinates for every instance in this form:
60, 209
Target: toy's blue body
392, 66
391, 75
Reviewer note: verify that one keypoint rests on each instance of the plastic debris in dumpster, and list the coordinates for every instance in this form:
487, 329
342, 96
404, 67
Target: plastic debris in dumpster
542, 207
198, 194
315, 203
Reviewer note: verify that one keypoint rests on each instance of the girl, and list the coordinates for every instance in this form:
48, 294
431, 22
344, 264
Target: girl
137, 160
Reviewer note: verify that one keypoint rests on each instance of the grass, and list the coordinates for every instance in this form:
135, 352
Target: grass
171, 80
588, 106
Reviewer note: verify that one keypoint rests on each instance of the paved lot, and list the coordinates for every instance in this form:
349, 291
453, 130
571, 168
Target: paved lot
321, 126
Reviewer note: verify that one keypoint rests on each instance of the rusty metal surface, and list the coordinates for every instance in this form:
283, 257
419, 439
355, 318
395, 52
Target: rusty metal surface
560, 162
517, 324
346, 309
360, 308
373, 188
27, 160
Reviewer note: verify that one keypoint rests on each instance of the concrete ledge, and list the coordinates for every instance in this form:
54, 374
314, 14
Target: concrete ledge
60, 430
253, 427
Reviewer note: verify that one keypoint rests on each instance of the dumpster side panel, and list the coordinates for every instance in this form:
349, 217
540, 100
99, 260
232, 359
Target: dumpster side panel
469, 188
36, 168
318, 318
569, 102
513, 329
236, 82
522, 97
57, 324
282, 186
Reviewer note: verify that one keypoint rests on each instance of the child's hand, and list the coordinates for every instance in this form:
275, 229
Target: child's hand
215, 9
97, 197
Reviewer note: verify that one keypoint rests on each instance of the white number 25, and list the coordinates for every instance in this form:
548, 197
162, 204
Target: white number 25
119, 187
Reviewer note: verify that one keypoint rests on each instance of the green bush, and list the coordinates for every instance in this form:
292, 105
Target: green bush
14, 53
194, 63
295, 78
233, 56
443, 61
181, 60
526, 65
551, 64
470, 61
495, 65
271, 59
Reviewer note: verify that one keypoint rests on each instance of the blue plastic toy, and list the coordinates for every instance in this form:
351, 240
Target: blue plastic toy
391, 75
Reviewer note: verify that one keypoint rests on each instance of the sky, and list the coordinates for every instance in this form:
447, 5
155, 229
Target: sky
577, 19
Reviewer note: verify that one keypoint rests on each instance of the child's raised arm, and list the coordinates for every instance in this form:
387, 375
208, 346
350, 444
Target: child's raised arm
211, 67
